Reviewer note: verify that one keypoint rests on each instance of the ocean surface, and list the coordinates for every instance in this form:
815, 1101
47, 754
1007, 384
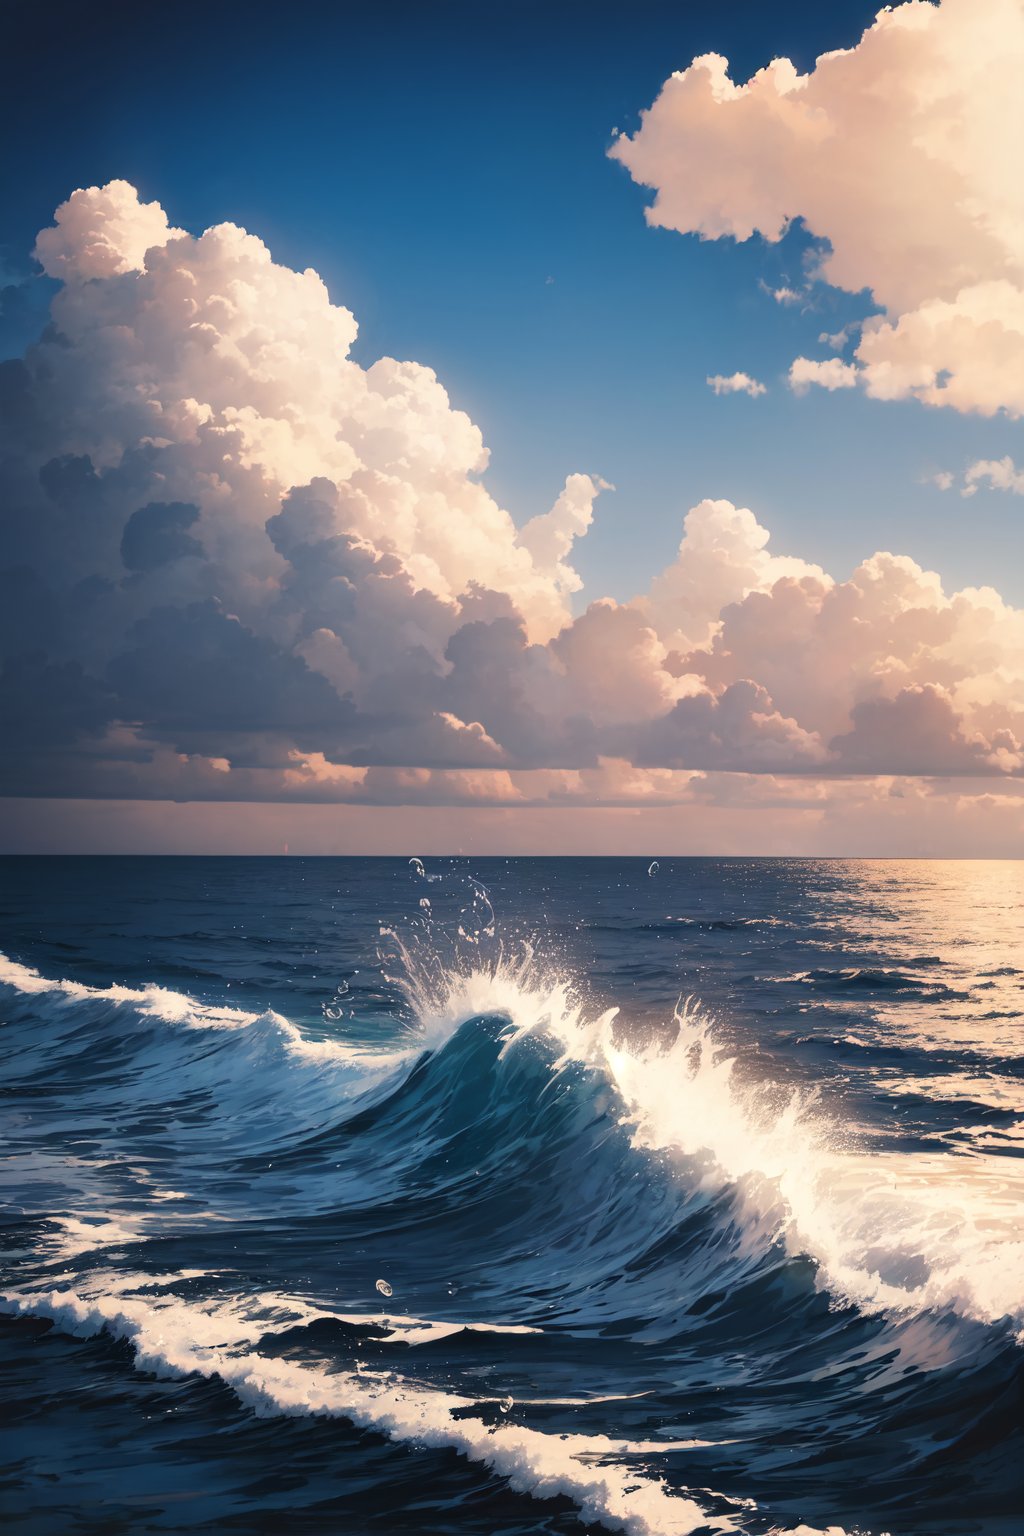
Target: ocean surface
511, 1196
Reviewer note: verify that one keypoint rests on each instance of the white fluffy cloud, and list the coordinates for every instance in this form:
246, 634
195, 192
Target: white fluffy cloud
100, 232
723, 556
234, 373
736, 384
887, 648
903, 153
830, 374
998, 474
992, 474
238, 565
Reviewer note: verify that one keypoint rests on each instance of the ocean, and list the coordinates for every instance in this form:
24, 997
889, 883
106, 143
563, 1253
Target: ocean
512, 1196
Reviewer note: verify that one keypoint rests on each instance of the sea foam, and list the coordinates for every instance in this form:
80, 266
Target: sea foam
172, 1339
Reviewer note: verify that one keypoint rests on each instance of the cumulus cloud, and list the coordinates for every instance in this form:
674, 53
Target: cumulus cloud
157, 534
102, 231
835, 339
991, 474
902, 156
736, 729
201, 366
736, 384
997, 474
882, 654
722, 557
237, 565
831, 374
916, 732
549, 538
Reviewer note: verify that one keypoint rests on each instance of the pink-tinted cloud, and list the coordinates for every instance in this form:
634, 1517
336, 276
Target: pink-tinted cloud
859, 818
903, 155
736, 384
241, 567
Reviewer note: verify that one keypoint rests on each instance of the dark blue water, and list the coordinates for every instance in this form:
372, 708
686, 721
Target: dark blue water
350, 1195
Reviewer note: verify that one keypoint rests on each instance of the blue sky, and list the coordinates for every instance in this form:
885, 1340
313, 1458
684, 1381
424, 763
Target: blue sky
444, 168
250, 574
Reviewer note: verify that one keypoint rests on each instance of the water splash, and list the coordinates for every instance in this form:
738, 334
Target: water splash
336, 1009
902, 1232
895, 1232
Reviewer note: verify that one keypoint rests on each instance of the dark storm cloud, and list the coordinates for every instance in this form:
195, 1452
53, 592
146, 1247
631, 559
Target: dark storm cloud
158, 533
196, 670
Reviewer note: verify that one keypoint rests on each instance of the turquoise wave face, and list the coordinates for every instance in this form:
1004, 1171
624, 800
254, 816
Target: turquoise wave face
502, 1197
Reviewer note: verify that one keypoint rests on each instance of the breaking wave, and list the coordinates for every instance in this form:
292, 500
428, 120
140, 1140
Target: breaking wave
629, 1197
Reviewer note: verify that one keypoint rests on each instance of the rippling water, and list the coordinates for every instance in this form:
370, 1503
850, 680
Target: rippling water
499, 1196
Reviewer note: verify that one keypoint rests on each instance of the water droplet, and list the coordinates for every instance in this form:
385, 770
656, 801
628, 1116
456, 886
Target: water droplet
384, 1288
416, 865
506, 1404
653, 867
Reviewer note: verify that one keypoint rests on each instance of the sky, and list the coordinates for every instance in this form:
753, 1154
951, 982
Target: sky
689, 517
